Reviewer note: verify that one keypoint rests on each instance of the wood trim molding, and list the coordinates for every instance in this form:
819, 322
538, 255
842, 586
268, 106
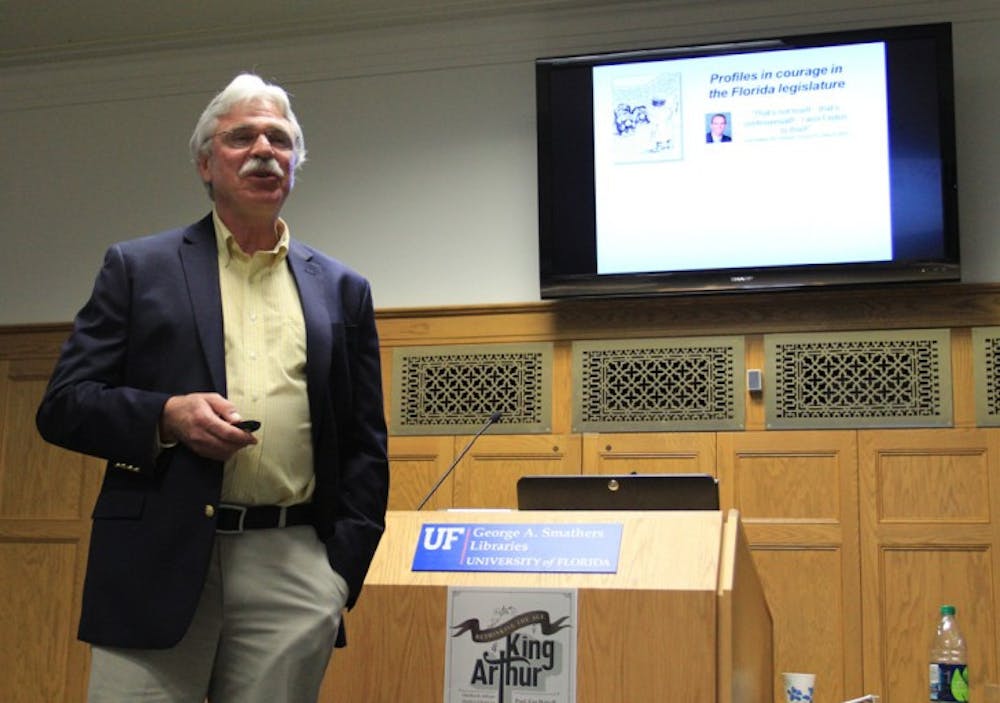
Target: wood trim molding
32, 341
871, 308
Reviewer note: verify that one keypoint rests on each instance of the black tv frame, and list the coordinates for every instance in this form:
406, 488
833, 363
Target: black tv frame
567, 229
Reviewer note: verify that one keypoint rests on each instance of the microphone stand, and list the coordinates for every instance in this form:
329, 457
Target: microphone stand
492, 419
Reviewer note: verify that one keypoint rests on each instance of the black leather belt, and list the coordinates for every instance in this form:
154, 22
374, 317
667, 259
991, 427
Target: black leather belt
233, 519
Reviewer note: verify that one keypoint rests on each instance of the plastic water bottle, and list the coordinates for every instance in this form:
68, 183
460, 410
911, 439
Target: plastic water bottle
949, 671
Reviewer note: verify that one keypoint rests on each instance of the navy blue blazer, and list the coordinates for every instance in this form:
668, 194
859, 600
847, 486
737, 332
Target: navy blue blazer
152, 328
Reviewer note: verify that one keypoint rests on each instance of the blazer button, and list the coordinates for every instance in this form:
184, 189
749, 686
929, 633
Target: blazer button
209, 511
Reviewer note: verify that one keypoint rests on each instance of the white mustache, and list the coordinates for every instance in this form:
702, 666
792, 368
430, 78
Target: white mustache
255, 164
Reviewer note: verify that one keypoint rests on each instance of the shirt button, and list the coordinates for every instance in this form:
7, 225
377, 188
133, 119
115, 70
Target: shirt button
209, 511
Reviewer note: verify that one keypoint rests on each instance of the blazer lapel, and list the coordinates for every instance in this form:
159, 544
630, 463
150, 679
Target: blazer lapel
200, 259
319, 330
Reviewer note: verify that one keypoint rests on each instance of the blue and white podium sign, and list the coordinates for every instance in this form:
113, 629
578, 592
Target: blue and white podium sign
555, 548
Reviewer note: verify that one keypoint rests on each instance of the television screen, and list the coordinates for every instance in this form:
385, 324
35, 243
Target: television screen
825, 159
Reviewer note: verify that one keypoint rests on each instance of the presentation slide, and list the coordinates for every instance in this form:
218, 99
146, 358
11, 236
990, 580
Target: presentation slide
763, 159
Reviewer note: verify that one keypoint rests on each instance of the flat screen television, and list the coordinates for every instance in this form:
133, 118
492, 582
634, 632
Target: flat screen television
812, 160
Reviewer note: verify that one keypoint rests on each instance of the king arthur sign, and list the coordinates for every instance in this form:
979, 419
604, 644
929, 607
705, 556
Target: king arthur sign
511, 646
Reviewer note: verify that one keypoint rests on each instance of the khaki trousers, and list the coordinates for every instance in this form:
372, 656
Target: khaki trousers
263, 631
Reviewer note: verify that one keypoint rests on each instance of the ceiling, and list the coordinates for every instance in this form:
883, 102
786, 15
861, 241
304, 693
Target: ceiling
33, 31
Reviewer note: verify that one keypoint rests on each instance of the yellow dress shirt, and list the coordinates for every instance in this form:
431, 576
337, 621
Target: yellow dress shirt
265, 373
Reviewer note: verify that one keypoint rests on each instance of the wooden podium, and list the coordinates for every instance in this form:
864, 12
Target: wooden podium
684, 619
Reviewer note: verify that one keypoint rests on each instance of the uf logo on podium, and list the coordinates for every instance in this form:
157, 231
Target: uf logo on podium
441, 537
440, 547
562, 547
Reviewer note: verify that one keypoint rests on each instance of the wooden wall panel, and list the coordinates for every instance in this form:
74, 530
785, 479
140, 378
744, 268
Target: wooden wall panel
487, 476
754, 406
649, 452
38, 481
906, 518
785, 485
930, 536
562, 387
803, 589
962, 375
915, 581
797, 495
46, 496
415, 465
38, 620
933, 485
26, 492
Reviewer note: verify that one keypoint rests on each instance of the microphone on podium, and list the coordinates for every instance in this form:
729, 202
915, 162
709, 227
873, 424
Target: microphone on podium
492, 419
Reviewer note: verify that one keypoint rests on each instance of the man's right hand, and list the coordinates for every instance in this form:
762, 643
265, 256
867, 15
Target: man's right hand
204, 422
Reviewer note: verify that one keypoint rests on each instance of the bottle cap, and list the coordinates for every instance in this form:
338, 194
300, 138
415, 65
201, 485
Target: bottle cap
947, 610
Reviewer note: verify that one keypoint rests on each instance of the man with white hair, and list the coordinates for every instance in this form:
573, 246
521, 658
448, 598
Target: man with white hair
230, 376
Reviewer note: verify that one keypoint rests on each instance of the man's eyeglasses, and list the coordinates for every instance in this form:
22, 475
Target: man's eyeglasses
243, 137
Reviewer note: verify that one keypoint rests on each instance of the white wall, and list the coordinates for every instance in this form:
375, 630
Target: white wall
421, 143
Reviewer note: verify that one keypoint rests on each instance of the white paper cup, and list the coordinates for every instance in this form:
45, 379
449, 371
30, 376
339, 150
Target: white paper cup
799, 687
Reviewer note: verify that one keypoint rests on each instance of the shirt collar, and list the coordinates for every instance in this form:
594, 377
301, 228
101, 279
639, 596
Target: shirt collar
228, 248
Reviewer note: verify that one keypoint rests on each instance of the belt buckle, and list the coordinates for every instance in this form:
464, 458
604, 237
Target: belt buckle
242, 510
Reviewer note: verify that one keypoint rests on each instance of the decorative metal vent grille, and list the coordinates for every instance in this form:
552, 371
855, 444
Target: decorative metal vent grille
867, 379
646, 385
455, 389
986, 374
